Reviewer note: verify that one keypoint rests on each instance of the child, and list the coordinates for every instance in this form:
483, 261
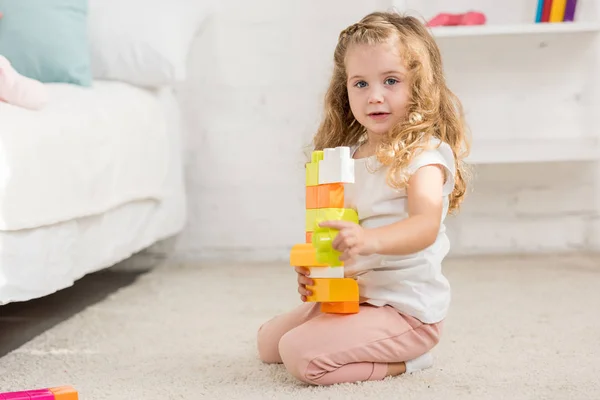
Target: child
389, 102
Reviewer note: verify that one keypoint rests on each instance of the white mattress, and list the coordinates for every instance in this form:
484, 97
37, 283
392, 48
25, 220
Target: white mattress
89, 150
39, 261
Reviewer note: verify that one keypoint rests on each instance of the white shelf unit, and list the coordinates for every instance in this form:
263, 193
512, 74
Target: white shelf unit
514, 29
530, 90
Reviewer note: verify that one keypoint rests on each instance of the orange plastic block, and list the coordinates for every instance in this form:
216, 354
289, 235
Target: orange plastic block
333, 290
64, 393
304, 255
309, 236
343, 307
330, 195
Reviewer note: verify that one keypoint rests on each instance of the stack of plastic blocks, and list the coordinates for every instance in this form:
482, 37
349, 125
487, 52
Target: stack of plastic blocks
326, 175
55, 393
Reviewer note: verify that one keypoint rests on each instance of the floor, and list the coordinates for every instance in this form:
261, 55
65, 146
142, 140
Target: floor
519, 328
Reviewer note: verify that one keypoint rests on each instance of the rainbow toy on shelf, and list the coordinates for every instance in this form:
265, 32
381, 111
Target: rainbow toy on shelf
326, 175
555, 11
54, 393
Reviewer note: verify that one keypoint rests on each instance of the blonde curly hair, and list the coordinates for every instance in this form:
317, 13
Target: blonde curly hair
433, 109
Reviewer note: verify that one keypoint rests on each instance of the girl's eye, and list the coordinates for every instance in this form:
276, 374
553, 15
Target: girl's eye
391, 81
360, 84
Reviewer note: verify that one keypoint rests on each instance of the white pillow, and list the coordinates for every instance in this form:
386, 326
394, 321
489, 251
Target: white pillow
143, 42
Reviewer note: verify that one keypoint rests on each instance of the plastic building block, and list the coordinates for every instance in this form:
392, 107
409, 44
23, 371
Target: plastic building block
343, 307
308, 237
315, 216
41, 394
326, 272
329, 195
56, 393
312, 197
337, 166
312, 169
333, 290
16, 396
322, 239
326, 175
64, 393
304, 255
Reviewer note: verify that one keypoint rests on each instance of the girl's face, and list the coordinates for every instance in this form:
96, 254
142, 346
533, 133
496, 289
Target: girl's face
377, 86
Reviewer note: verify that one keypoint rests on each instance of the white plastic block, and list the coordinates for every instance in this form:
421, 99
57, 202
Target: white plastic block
326, 272
337, 166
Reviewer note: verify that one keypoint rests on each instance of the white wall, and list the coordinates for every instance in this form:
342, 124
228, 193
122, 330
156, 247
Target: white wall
253, 100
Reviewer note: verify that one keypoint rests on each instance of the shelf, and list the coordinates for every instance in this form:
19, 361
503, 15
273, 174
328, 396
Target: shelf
515, 29
534, 151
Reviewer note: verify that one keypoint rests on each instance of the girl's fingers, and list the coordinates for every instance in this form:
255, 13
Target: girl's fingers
304, 291
304, 280
302, 270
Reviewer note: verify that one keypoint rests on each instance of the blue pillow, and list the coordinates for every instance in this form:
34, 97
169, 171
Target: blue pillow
47, 39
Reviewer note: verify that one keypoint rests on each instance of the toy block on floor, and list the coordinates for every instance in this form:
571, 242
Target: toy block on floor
64, 393
336, 166
41, 394
54, 393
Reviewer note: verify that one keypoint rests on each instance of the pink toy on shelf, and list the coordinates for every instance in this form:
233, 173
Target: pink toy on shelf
465, 19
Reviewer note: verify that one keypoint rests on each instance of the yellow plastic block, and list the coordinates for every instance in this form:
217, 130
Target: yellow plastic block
312, 169
304, 255
64, 393
316, 216
333, 290
343, 307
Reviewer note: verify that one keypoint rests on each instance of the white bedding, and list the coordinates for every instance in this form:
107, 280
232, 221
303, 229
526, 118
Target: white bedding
37, 262
88, 151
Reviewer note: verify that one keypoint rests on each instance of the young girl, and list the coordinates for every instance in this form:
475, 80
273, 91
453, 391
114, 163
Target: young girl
389, 102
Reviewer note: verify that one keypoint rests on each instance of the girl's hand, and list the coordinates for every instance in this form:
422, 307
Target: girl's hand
352, 239
304, 280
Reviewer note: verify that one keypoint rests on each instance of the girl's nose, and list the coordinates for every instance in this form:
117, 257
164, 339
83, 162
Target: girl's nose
375, 96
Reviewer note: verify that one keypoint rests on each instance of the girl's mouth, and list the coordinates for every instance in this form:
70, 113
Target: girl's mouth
378, 115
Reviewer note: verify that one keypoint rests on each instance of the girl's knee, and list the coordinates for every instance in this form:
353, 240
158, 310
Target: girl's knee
296, 357
267, 345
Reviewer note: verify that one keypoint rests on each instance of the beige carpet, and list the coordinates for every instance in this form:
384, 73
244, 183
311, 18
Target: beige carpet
518, 329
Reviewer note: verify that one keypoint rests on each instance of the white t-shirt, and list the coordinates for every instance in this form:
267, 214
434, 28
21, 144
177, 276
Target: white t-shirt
413, 284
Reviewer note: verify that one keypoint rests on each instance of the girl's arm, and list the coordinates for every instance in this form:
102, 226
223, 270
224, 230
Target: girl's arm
408, 236
421, 228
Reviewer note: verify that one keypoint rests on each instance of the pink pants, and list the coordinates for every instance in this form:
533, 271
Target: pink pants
324, 349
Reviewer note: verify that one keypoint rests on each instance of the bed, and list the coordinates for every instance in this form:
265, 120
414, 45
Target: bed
88, 181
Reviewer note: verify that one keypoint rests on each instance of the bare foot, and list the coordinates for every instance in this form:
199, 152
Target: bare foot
395, 369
